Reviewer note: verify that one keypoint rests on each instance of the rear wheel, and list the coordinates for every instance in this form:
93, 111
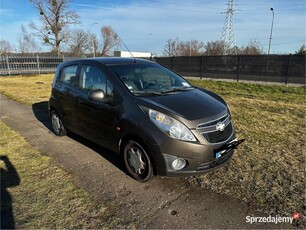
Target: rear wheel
137, 161
57, 124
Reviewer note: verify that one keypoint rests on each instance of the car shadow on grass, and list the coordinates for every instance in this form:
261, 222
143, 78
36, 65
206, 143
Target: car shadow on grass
40, 111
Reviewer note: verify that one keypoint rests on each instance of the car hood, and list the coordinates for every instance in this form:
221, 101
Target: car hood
195, 104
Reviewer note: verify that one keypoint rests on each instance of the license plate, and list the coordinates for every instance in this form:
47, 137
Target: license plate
219, 154
226, 148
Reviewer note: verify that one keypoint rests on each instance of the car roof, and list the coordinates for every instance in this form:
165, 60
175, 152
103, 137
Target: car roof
113, 60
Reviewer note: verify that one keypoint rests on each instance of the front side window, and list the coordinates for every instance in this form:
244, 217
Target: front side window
92, 78
142, 79
68, 74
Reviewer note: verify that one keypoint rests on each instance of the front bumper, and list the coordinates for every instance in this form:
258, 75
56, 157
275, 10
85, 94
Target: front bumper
194, 167
208, 160
200, 158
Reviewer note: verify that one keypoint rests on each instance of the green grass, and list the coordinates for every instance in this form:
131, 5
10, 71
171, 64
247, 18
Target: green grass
45, 196
267, 170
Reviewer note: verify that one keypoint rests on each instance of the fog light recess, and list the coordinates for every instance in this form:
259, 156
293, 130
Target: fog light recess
178, 163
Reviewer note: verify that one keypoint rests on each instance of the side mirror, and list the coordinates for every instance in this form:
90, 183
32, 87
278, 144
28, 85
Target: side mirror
97, 95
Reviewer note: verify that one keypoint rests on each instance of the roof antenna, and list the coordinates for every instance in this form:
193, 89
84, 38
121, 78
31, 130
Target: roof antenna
126, 47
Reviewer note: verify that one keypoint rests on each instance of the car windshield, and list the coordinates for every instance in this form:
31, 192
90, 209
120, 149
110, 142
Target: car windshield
146, 79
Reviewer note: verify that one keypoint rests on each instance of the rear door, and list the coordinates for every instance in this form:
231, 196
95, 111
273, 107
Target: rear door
65, 94
96, 120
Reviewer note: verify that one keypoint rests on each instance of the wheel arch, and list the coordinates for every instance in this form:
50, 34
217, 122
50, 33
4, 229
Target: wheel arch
51, 108
125, 138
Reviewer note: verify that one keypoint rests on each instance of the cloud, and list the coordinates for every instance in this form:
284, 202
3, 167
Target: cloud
6, 12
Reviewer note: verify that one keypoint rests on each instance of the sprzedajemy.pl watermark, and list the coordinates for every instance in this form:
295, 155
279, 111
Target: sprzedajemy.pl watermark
272, 219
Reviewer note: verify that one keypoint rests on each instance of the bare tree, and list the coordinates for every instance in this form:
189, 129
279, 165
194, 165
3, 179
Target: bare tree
195, 47
26, 43
55, 18
5, 47
174, 47
183, 49
110, 39
254, 47
22, 43
96, 45
80, 42
171, 48
214, 48
301, 50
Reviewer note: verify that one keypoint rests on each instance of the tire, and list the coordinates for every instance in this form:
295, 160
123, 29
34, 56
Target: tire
137, 161
57, 124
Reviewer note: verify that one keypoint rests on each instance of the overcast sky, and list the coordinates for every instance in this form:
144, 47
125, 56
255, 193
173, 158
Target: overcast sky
146, 25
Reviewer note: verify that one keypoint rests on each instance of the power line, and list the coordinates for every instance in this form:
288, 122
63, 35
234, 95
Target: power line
197, 9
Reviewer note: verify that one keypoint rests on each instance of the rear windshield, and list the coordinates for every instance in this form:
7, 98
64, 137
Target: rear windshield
143, 79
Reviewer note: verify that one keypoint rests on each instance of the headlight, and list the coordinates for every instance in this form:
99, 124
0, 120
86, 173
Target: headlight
170, 126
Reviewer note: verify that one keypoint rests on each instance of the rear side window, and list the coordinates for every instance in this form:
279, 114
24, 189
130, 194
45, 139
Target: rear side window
68, 74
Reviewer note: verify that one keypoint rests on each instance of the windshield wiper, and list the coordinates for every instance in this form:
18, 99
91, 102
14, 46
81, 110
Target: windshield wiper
147, 92
175, 89
159, 93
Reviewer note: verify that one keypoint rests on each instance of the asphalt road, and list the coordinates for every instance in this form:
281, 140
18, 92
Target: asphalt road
160, 203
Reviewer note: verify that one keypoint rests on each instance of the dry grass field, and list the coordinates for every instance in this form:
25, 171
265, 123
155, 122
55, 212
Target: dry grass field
27, 89
268, 170
46, 196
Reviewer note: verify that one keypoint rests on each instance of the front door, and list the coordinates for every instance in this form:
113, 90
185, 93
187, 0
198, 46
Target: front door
96, 120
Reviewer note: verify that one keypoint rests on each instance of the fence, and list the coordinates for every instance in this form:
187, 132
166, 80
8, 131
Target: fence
13, 65
272, 68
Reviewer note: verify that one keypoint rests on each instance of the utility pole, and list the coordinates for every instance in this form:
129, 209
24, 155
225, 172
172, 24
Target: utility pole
148, 43
228, 33
270, 39
93, 40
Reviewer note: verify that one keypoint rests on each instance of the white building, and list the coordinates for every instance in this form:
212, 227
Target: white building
135, 54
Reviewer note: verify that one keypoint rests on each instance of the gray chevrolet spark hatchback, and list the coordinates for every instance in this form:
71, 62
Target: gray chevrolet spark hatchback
158, 121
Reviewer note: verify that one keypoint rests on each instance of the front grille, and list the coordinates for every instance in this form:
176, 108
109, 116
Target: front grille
219, 136
211, 123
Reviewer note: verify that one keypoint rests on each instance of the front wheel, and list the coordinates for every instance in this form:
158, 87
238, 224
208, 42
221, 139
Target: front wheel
57, 124
137, 161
